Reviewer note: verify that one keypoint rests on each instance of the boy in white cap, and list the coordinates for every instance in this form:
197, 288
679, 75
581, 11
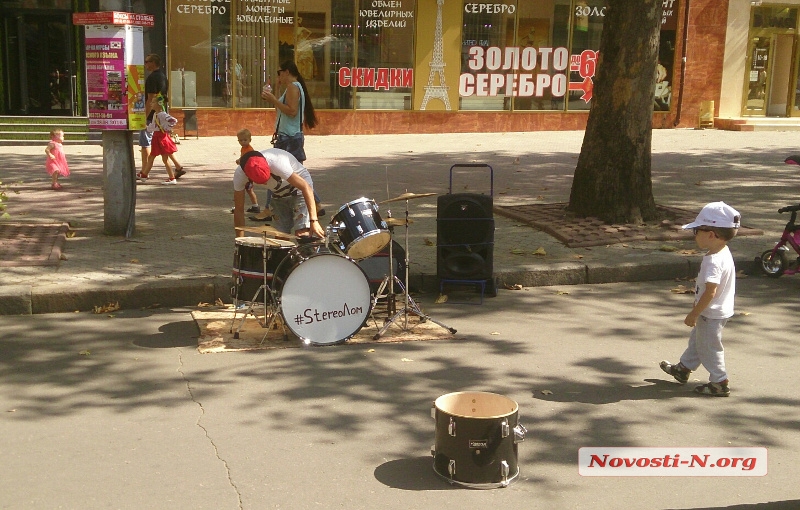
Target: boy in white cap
715, 287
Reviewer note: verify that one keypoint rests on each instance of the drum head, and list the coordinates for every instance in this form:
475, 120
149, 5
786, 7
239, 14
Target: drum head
325, 299
258, 242
368, 245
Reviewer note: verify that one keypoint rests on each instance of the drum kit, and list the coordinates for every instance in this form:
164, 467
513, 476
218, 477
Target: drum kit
317, 290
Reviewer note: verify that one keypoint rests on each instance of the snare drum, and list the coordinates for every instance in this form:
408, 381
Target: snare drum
324, 297
362, 232
476, 439
248, 265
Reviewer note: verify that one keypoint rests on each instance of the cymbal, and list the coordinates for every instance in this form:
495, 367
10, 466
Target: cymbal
407, 196
269, 230
397, 222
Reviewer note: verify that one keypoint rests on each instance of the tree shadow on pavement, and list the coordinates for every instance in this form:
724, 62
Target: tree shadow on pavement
771, 505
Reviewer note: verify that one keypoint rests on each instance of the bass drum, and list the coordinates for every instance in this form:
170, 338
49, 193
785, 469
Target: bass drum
324, 297
476, 439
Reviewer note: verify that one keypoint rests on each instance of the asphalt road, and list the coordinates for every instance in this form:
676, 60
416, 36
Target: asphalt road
121, 411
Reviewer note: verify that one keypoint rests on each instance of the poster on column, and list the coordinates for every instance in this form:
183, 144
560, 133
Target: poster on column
105, 77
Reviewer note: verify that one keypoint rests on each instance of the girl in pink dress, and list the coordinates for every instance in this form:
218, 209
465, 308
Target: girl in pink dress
56, 164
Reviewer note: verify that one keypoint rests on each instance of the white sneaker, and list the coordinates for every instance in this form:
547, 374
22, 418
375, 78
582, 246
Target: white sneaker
170, 181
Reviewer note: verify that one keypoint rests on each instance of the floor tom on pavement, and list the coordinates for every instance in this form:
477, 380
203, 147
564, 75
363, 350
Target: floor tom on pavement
476, 439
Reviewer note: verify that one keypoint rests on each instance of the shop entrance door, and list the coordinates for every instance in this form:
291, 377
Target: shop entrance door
757, 81
39, 63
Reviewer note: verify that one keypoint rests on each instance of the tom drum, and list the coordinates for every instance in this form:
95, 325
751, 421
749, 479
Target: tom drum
362, 232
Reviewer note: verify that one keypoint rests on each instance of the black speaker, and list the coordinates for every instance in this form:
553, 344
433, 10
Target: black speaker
464, 237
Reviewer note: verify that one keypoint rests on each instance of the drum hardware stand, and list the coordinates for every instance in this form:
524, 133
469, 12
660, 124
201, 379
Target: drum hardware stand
410, 306
388, 280
270, 310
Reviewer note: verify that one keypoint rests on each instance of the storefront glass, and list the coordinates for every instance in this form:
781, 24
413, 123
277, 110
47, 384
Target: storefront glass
533, 55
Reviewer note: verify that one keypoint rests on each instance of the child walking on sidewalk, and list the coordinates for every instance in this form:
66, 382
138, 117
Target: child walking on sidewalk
715, 287
56, 164
161, 145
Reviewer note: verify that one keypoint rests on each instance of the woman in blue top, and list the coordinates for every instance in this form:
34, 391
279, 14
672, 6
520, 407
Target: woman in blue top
293, 110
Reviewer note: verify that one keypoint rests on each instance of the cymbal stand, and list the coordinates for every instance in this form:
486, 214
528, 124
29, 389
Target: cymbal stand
388, 280
270, 308
410, 306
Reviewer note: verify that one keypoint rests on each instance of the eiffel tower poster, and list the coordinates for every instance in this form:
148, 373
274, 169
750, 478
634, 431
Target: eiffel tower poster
437, 64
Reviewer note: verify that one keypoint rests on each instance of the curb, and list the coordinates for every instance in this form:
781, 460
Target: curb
54, 298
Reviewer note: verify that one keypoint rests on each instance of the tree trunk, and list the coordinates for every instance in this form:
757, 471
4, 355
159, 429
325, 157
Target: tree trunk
612, 179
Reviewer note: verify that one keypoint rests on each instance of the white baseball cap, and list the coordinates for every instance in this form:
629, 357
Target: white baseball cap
716, 214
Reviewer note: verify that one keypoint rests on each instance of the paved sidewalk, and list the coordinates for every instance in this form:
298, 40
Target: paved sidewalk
182, 250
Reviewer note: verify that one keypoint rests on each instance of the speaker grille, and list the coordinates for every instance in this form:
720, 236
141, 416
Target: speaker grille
465, 237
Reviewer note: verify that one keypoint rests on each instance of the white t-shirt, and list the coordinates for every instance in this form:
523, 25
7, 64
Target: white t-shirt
718, 268
281, 166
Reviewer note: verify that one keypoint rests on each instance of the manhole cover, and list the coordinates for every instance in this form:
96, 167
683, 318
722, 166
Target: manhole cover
31, 244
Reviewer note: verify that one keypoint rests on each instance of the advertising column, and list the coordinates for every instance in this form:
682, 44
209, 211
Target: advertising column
114, 52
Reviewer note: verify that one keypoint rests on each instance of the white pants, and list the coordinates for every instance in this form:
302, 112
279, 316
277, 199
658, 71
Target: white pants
705, 348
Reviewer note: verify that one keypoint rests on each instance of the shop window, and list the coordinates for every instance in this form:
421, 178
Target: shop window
383, 77
587, 27
487, 78
542, 26
775, 17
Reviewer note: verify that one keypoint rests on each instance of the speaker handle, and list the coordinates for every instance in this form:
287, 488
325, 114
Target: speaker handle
474, 165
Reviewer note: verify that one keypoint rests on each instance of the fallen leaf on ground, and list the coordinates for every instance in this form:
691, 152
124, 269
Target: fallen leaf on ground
688, 252
406, 359
743, 313
370, 350
85, 353
562, 292
110, 307
441, 299
518, 251
577, 256
71, 233
428, 242
540, 251
516, 286
668, 248
546, 392
494, 333
134, 261
682, 289
62, 257
741, 274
